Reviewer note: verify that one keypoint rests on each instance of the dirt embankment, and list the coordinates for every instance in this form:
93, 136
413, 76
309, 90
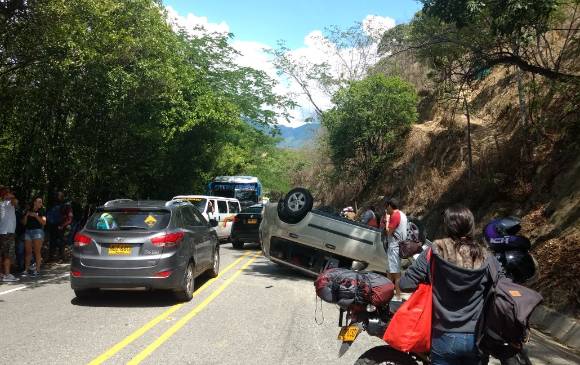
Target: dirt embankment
529, 169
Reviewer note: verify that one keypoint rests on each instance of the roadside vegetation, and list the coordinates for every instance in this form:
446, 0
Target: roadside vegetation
496, 125
105, 99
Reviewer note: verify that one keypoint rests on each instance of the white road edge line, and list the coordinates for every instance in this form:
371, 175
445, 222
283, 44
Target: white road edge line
34, 284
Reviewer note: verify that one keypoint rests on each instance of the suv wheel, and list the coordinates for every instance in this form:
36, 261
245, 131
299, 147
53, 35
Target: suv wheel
185, 292
297, 203
215, 268
237, 244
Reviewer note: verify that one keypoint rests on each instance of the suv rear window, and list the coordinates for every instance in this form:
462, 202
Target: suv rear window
252, 210
127, 219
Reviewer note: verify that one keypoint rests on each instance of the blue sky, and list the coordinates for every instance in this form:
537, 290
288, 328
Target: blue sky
257, 25
268, 21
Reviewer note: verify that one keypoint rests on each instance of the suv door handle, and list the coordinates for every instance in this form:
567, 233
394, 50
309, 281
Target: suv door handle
329, 246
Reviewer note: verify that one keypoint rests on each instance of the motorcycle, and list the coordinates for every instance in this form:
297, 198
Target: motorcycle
511, 250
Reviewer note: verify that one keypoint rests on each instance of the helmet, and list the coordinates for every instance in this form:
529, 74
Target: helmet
501, 235
519, 265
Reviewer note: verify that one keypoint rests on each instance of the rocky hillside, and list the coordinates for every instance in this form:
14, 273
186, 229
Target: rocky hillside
530, 170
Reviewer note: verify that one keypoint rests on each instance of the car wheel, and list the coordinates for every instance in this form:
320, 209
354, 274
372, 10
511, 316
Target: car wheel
297, 203
415, 230
185, 292
385, 355
86, 293
215, 268
237, 244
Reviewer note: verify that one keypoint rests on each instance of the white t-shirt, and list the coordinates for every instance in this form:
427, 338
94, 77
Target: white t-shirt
7, 217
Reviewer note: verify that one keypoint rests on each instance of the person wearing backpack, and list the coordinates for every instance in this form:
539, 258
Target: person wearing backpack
461, 282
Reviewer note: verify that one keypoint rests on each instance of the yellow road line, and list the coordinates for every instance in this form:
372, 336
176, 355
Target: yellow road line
183, 321
146, 327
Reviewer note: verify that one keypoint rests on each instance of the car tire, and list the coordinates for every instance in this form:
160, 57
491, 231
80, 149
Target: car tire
237, 244
185, 292
215, 267
295, 206
385, 355
86, 293
419, 226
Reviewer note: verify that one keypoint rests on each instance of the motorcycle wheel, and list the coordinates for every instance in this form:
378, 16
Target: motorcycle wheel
385, 355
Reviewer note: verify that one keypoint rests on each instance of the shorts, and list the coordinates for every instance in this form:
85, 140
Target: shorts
34, 234
394, 260
7, 245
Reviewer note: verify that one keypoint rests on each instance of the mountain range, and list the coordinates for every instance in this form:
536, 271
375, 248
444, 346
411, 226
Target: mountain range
299, 136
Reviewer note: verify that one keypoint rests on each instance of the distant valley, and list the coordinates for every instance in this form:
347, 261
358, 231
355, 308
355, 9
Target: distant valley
298, 137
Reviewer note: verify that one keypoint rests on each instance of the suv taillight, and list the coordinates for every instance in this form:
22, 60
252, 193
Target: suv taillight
167, 239
81, 240
236, 219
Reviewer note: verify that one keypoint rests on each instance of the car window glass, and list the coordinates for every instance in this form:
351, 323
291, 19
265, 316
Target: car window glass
129, 219
200, 218
234, 208
188, 217
196, 220
252, 209
222, 207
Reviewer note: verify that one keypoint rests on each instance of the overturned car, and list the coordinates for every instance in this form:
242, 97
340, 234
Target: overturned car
294, 234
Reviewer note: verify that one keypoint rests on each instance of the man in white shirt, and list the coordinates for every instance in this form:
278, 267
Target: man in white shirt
7, 229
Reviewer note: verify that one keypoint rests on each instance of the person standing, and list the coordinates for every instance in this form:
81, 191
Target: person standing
461, 280
396, 232
54, 221
369, 217
7, 230
19, 236
34, 221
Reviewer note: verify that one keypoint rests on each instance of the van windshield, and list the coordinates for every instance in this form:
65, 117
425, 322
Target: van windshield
199, 203
128, 219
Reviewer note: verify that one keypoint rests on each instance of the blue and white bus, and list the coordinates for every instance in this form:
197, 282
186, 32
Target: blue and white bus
247, 189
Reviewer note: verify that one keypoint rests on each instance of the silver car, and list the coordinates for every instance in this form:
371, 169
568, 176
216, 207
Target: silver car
144, 244
310, 240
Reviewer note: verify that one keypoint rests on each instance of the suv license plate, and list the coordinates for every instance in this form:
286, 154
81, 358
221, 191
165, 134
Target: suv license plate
252, 221
348, 333
120, 250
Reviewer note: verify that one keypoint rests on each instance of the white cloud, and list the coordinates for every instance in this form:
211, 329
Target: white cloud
193, 23
316, 49
376, 25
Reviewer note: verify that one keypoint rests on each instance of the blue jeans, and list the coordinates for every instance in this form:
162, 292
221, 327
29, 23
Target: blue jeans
454, 348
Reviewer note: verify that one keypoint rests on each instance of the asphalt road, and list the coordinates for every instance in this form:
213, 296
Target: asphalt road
255, 312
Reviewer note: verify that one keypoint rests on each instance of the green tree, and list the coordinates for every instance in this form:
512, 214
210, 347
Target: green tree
369, 122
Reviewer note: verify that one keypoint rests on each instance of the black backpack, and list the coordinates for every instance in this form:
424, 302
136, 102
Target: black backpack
503, 326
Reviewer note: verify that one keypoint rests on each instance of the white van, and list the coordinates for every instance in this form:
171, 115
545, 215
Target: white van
221, 209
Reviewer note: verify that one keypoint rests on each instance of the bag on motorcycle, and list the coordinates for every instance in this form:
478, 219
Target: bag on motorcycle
410, 327
347, 287
504, 323
408, 248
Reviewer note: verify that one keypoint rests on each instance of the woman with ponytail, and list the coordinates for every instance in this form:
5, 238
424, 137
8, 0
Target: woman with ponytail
460, 282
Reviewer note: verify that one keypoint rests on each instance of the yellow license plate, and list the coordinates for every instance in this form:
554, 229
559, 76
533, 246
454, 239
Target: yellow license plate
120, 250
348, 333
252, 221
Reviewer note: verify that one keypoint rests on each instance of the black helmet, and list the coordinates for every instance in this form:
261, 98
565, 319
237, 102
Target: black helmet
519, 265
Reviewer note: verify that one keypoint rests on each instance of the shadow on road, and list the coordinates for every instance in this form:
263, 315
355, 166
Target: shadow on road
133, 298
266, 268
127, 299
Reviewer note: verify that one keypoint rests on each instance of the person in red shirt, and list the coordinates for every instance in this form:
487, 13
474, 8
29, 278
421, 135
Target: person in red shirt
396, 232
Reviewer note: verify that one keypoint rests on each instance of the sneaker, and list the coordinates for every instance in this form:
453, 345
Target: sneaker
9, 278
34, 274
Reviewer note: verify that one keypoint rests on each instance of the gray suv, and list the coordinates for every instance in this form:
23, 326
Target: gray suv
144, 244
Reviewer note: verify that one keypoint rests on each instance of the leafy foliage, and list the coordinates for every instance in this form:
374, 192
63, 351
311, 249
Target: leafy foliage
368, 122
102, 98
